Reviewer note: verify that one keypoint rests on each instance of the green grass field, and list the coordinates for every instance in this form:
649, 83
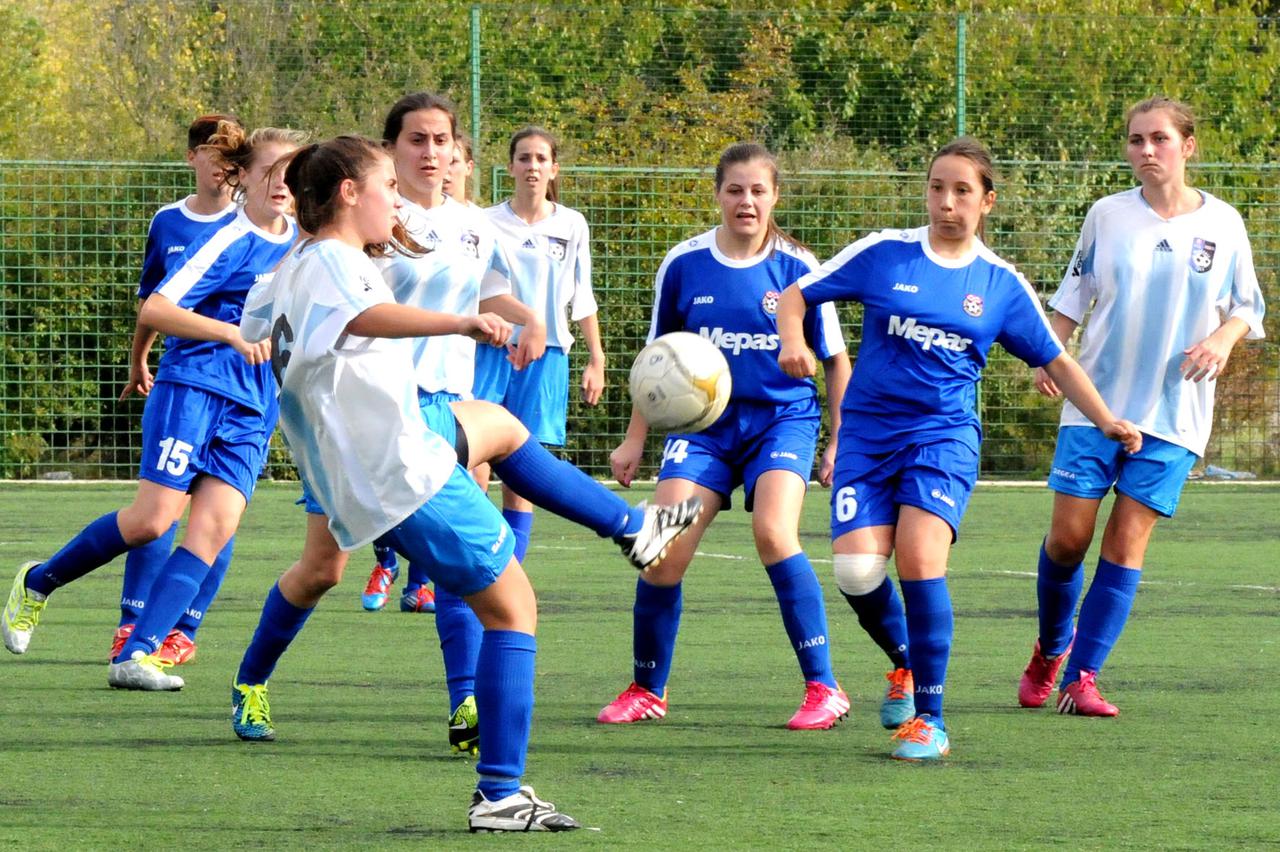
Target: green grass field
359, 705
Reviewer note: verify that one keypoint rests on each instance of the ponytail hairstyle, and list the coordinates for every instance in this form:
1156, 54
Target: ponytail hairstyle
748, 152
235, 150
394, 122
533, 131
314, 174
203, 128
975, 152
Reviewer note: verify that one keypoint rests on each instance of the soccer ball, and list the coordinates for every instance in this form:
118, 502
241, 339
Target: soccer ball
680, 382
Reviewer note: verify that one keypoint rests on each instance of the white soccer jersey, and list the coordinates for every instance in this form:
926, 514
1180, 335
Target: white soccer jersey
465, 264
1157, 287
348, 404
550, 266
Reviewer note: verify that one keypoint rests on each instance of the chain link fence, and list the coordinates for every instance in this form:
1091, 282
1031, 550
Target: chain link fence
643, 101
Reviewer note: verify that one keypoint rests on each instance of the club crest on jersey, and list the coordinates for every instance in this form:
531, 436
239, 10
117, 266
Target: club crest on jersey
972, 305
770, 302
471, 244
557, 248
1202, 254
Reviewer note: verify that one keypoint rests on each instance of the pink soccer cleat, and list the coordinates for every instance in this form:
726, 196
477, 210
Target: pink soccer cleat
635, 704
821, 709
123, 632
1083, 699
177, 648
1039, 677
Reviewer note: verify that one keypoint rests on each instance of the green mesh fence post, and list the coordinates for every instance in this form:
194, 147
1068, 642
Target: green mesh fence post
475, 80
961, 21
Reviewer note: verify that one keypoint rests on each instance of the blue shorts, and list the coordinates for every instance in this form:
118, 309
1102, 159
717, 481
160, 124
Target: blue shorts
439, 418
189, 432
538, 395
458, 537
868, 488
749, 439
1086, 463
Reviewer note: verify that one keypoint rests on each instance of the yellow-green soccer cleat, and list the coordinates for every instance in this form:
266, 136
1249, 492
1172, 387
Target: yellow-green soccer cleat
21, 612
464, 728
250, 713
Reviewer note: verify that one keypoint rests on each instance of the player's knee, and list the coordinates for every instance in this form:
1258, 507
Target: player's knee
860, 573
775, 543
1067, 547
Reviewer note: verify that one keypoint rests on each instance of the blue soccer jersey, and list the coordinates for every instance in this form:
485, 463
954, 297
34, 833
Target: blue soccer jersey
172, 229
734, 304
215, 273
927, 325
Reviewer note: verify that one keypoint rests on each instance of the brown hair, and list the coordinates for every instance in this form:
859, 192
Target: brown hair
1184, 120
747, 152
394, 122
314, 173
205, 126
534, 132
977, 154
236, 150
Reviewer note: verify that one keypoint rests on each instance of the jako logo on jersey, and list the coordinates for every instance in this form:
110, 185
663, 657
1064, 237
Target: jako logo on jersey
783, 454
770, 302
263, 276
704, 300
502, 536
929, 690
927, 336
938, 495
972, 305
1202, 254
175, 249
899, 287
736, 341
811, 642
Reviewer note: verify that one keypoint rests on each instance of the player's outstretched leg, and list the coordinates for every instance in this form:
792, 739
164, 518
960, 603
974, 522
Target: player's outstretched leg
648, 545
21, 611
279, 623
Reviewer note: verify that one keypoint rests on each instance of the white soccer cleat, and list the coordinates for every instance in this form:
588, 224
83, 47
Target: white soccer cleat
662, 525
521, 811
143, 671
21, 612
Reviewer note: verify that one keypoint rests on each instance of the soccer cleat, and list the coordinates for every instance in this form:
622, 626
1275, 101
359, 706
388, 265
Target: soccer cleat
123, 632
143, 671
635, 704
177, 648
899, 704
421, 599
521, 811
662, 525
464, 728
821, 709
250, 713
21, 611
380, 583
922, 739
1039, 677
1083, 699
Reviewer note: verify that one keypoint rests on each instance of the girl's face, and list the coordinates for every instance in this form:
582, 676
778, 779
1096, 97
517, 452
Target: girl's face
955, 199
422, 153
455, 179
1157, 152
265, 195
747, 196
533, 166
209, 176
375, 202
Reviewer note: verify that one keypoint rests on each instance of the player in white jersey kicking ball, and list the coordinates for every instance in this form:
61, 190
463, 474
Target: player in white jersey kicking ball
935, 299
1161, 265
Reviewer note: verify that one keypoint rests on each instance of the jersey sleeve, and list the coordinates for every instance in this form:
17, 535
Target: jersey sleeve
583, 304
842, 277
152, 263
822, 330
666, 316
1078, 289
1026, 332
496, 280
259, 307
342, 284
203, 267
1244, 300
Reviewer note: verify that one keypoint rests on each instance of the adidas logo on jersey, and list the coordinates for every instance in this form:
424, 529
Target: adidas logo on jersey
528, 244
1163, 245
736, 341
927, 336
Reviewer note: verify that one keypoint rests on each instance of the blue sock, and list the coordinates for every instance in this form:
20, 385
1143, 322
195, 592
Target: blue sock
174, 590
141, 567
930, 624
460, 637
655, 623
385, 555
193, 616
881, 615
803, 615
415, 577
95, 546
279, 623
554, 484
521, 524
504, 702
1058, 591
1102, 617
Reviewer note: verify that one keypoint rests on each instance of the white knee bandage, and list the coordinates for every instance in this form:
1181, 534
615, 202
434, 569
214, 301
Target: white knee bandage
860, 573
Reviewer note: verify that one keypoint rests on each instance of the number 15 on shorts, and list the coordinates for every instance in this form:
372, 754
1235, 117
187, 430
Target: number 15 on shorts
175, 455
